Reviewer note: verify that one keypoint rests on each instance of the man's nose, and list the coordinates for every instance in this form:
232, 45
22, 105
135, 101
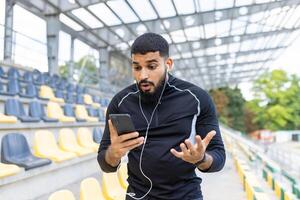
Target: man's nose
144, 74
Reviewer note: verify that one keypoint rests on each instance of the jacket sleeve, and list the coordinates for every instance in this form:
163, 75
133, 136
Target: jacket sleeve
105, 142
206, 122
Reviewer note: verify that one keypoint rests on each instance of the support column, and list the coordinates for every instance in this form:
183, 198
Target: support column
71, 63
104, 83
8, 30
53, 27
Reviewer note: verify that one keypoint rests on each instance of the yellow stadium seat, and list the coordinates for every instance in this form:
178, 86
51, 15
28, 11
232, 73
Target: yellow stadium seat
111, 187
47, 93
89, 101
67, 141
123, 175
90, 189
7, 119
85, 139
8, 170
62, 195
54, 111
81, 113
45, 146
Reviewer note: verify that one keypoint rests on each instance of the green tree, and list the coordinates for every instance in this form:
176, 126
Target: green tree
276, 104
230, 106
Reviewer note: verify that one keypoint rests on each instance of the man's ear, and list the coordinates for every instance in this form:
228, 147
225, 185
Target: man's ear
169, 63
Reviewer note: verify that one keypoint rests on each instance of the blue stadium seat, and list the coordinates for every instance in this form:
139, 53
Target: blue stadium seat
69, 111
36, 109
79, 89
70, 98
40, 79
15, 150
36, 73
96, 99
3, 90
101, 114
79, 99
70, 88
28, 77
92, 112
59, 94
2, 73
14, 87
97, 134
52, 83
30, 91
13, 73
61, 85
14, 107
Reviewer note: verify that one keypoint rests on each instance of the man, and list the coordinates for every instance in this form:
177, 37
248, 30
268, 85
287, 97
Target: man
176, 129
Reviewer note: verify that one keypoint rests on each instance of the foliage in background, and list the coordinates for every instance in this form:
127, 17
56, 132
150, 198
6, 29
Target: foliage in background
85, 70
230, 106
276, 104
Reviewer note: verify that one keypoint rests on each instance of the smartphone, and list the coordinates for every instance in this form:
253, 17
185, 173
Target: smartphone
122, 122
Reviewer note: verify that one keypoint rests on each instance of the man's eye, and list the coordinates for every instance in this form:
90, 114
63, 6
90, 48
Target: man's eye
137, 68
152, 66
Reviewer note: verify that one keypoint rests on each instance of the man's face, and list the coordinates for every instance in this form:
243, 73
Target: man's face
149, 70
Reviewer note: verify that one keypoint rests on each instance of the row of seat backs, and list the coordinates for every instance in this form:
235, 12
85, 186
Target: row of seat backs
36, 111
38, 78
114, 187
15, 148
13, 88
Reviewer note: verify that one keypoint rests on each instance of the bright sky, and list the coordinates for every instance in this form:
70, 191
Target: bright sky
32, 52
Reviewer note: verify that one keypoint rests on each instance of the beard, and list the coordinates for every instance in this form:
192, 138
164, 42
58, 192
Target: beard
150, 97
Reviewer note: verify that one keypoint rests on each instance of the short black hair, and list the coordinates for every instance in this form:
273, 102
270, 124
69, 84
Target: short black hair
150, 42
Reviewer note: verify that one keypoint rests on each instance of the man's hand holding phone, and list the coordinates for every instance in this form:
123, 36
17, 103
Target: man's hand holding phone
120, 144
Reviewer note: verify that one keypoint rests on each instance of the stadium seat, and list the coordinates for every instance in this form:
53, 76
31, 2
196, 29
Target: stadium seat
2, 73
40, 79
28, 77
70, 88
85, 139
101, 113
97, 134
14, 107
61, 85
67, 141
111, 187
36, 109
79, 99
7, 119
59, 94
79, 89
62, 195
30, 91
54, 111
45, 146
89, 101
4, 90
68, 111
47, 93
123, 175
8, 170
13, 86
81, 113
15, 150
96, 99
13, 73
90, 189
70, 97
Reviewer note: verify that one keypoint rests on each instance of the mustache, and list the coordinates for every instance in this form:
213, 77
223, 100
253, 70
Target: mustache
145, 82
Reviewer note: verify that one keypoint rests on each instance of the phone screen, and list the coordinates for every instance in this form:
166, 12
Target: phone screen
122, 122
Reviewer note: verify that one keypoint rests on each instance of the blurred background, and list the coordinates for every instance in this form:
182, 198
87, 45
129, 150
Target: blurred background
61, 61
